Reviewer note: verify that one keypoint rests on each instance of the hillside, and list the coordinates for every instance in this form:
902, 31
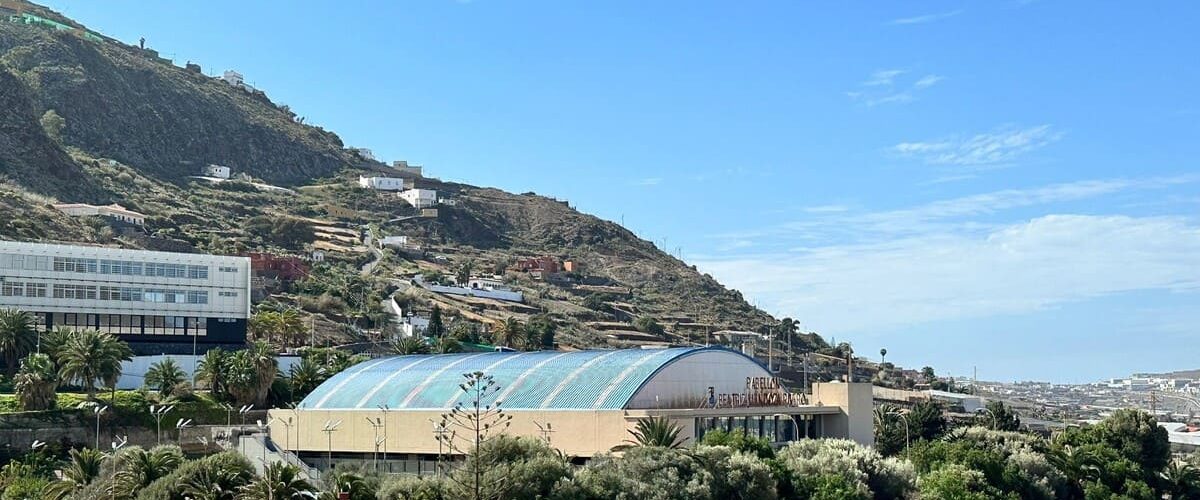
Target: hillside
134, 128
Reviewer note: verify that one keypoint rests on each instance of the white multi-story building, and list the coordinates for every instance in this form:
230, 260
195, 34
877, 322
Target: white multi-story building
159, 302
381, 183
420, 198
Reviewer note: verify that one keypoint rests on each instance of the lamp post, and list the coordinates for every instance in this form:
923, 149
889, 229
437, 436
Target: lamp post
158, 412
904, 418
376, 424
329, 428
384, 409
287, 434
99, 410
180, 425
116, 446
262, 427
241, 428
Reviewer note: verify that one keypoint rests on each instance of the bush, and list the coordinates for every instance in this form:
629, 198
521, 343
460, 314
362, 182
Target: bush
414, 488
882, 477
650, 473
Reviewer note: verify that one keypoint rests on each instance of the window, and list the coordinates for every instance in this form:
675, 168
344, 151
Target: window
196, 297
225, 269
78, 292
198, 272
35, 289
166, 270
74, 265
12, 289
122, 267
227, 294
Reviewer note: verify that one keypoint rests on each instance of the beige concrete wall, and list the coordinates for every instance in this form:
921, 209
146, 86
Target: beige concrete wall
856, 400
844, 410
576, 433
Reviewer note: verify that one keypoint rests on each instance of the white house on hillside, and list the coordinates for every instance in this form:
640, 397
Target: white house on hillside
420, 198
114, 211
381, 183
233, 78
217, 171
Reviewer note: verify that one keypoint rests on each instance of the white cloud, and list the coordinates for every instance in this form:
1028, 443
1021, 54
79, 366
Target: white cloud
886, 86
648, 181
826, 209
926, 18
927, 81
883, 77
992, 148
941, 275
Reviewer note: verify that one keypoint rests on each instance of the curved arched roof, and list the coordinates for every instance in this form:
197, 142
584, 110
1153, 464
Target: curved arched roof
599, 379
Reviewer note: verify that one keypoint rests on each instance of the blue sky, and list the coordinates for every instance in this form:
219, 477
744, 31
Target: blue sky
1011, 186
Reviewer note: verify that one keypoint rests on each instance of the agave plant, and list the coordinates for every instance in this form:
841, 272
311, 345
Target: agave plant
410, 345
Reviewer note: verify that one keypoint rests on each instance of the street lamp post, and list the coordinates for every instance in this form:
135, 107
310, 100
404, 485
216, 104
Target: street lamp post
242, 428
99, 410
180, 425
376, 424
287, 434
904, 418
384, 409
262, 427
329, 428
158, 412
116, 446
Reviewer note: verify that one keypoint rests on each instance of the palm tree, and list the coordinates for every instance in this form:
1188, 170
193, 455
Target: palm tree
264, 324
54, 340
242, 378
163, 376
350, 483
17, 337
410, 345
1181, 480
291, 327
305, 376
36, 382
89, 356
215, 483
510, 332
81, 469
265, 366
212, 370
138, 467
656, 431
279, 481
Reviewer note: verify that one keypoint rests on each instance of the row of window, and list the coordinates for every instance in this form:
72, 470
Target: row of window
105, 266
776, 428
117, 293
125, 324
20, 289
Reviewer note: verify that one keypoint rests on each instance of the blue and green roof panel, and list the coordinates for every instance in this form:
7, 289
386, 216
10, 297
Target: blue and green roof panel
597, 380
